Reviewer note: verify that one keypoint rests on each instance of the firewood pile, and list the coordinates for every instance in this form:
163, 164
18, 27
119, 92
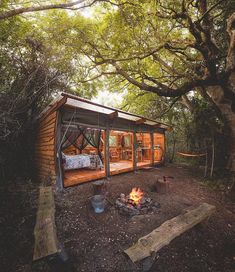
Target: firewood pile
135, 203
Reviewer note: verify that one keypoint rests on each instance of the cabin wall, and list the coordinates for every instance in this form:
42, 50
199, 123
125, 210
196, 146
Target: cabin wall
45, 148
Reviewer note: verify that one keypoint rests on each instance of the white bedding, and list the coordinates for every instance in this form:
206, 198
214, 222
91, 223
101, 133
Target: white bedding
81, 161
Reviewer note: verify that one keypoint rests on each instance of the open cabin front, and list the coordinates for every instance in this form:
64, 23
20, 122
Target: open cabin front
80, 141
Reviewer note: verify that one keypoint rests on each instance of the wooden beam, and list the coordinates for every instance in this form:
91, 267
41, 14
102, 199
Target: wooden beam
113, 115
157, 125
163, 235
141, 121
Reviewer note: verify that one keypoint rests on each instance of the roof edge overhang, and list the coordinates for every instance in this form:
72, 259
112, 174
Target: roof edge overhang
63, 98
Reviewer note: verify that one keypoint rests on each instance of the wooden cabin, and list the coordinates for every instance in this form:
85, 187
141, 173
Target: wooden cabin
79, 141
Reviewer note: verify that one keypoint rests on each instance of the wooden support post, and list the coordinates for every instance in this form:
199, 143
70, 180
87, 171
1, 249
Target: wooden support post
58, 159
152, 148
107, 164
134, 150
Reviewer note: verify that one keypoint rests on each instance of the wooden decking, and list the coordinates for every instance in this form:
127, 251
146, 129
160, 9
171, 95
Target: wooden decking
121, 167
144, 164
73, 177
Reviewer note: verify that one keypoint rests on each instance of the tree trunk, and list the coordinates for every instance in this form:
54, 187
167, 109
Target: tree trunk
224, 105
224, 95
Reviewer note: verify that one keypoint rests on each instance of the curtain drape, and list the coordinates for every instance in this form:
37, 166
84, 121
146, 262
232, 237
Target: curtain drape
93, 137
73, 136
80, 137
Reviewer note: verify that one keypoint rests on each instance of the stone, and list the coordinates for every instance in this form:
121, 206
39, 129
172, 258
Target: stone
157, 205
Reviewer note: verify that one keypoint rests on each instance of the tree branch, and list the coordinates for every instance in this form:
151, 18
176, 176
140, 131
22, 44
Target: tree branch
17, 11
210, 9
169, 108
163, 90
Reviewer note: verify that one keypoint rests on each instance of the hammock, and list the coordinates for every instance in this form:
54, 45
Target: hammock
192, 155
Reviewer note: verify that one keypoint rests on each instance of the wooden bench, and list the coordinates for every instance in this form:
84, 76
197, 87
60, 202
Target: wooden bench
163, 235
46, 242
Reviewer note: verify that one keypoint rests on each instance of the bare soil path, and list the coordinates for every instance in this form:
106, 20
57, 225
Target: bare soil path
95, 242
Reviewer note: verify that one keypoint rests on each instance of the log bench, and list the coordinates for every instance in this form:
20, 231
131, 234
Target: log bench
148, 245
46, 242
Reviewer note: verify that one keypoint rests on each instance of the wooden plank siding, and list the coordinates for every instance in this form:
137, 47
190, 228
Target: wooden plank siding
45, 148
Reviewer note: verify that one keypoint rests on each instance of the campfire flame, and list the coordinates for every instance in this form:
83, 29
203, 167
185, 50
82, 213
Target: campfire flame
136, 195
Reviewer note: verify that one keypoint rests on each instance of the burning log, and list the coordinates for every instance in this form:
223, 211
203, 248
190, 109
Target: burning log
135, 203
136, 195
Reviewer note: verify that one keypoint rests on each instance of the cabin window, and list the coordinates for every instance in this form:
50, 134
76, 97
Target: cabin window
112, 140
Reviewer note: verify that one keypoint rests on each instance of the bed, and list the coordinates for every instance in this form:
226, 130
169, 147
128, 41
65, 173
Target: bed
81, 161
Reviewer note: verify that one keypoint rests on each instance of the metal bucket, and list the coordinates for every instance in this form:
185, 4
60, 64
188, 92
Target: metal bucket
97, 202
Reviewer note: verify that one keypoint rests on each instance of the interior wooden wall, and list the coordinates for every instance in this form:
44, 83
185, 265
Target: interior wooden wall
118, 147
145, 140
71, 150
159, 139
45, 148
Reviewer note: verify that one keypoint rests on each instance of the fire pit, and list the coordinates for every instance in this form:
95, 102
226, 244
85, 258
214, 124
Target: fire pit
136, 203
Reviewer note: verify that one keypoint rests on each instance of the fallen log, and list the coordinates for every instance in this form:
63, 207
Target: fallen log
46, 242
148, 245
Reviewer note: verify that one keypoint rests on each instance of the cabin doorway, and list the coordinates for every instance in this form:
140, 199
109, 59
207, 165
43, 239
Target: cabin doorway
121, 146
144, 149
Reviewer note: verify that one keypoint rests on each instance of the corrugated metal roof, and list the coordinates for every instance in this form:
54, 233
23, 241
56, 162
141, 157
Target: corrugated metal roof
78, 102
83, 103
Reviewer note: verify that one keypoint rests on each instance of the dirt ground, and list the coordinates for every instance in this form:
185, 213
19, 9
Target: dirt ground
95, 242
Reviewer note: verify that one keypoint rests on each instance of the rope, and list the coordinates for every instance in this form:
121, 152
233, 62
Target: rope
191, 155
